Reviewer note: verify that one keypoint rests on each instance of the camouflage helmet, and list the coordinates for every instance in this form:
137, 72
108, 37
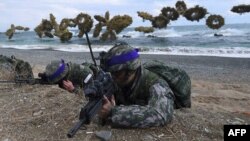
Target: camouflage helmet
81, 73
121, 57
56, 71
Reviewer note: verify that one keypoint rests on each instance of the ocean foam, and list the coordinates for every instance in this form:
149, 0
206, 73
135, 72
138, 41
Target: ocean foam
239, 52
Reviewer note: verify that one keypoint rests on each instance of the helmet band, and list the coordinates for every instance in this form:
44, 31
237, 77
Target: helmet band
60, 70
123, 58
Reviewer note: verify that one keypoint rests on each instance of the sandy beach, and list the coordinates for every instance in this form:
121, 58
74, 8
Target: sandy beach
220, 95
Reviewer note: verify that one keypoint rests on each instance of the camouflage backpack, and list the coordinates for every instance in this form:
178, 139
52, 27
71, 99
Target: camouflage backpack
17, 68
178, 80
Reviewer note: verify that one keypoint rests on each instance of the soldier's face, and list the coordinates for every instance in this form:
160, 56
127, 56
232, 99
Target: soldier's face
122, 78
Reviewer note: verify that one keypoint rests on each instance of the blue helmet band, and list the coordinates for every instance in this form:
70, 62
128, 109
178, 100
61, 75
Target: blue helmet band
60, 70
123, 58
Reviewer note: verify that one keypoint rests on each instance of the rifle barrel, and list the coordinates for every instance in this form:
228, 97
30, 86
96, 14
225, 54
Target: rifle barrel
26, 81
7, 81
77, 126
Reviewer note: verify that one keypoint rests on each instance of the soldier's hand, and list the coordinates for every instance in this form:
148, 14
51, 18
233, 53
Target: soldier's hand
106, 107
68, 85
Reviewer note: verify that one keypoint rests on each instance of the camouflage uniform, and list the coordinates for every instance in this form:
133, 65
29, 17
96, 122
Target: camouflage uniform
148, 102
76, 73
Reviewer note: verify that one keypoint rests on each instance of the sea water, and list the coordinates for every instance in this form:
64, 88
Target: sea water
173, 40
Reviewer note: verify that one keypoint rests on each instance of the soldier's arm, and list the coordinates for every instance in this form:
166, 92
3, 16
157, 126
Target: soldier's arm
68, 85
78, 91
159, 110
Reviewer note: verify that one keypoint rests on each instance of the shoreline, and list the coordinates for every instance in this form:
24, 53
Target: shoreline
207, 68
241, 52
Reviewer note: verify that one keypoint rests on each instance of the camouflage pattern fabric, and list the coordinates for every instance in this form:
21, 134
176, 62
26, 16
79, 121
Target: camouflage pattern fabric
178, 80
23, 70
77, 74
118, 49
148, 103
15, 68
7, 63
52, 68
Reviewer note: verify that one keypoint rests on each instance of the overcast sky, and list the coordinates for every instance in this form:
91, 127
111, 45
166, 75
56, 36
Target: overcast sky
29, 13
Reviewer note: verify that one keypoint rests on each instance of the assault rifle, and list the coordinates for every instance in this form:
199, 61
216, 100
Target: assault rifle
95, 88
31, 81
